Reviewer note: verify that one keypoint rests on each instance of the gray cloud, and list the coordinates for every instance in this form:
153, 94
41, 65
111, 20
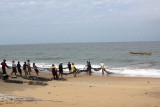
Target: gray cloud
98, 17
55, 9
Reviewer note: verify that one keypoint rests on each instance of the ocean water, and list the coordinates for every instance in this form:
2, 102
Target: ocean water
115, 56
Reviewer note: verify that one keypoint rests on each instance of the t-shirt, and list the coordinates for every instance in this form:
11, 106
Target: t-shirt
60, 67
73, 68
69, 66
24, 66
28, 65
53, 69
102, 65
18, 66
3, 64
14, 65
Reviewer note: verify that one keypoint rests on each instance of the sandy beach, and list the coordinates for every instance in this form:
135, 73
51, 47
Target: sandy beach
85, 90
119, 38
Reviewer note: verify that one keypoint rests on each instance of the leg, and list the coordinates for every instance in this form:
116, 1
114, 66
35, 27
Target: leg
90, 72
102, 71
74, 73
4, 71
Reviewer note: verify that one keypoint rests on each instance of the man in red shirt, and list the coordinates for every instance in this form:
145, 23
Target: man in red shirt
4, 65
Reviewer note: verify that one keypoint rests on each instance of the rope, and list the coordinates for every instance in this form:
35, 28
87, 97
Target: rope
77, 70
97, 69
108, 72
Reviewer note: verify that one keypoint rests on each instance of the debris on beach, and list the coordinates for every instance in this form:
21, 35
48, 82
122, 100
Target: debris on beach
37, 83
29, 83
14, 81
7, 98
37, 78
34, 80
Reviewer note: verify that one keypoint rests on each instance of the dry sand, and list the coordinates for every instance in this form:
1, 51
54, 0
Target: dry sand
85, 90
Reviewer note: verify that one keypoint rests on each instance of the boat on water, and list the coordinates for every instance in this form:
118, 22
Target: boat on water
142, 53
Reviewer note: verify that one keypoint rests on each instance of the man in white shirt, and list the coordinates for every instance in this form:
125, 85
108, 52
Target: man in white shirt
102, 67
14, 70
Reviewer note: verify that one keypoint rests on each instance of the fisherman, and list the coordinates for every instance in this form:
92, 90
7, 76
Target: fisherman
102, 67
89, 67
54, 72
69, 66
86, 66
61, 69
29, 67
4, 65
35, 68
73, 69
19, 68
25, 68
14, 70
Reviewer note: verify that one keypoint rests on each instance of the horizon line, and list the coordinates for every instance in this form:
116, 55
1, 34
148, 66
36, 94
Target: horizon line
75, 43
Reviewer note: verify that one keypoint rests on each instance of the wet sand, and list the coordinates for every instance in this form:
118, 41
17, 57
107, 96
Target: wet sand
85, 90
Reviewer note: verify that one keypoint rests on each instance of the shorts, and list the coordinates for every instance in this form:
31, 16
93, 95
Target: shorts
36, 70
25, 70
4, 71
60, 72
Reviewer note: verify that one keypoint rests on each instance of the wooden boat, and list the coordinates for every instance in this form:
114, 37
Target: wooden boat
143, 53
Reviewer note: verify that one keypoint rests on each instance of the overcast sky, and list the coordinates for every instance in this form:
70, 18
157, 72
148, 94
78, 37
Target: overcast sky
70, 21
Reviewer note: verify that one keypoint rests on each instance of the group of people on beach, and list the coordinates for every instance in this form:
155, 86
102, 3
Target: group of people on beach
56, 72
71, 68
17, 67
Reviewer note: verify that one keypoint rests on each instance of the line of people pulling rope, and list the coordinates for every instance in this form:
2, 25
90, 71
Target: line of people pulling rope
56, 72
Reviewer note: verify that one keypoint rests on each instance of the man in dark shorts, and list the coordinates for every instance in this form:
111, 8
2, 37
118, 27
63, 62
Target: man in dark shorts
89, 67
54, 72
61, 69
25, 69
4, 65
19, 68
69, 66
